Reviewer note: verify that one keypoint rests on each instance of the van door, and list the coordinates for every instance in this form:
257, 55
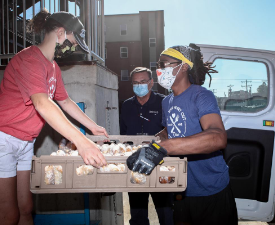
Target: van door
244, 89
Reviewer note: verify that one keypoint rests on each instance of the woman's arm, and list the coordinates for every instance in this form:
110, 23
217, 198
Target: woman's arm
74, 111
58, 121
212, 138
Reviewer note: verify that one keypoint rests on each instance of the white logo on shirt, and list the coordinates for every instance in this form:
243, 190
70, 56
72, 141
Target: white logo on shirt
176, 122
154, 112
52, 85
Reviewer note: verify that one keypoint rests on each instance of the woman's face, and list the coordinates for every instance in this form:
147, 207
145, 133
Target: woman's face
169, 62
67, 44
179, 69
72, 39
62, 37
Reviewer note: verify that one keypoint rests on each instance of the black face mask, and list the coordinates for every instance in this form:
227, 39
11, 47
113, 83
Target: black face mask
64, 50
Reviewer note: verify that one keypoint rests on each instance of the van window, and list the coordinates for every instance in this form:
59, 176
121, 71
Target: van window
239, 86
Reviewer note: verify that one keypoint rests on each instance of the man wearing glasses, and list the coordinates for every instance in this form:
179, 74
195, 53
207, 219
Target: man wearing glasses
142, 115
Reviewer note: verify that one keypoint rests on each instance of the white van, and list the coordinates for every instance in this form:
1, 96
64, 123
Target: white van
244, 89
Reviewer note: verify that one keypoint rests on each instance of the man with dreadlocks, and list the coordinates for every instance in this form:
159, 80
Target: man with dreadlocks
193, 129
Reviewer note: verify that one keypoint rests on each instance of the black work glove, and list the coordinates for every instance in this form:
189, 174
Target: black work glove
145, 159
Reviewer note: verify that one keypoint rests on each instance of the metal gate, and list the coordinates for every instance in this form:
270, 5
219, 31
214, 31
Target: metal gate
15, 14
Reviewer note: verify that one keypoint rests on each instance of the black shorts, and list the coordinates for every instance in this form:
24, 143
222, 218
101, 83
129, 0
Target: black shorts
217, 209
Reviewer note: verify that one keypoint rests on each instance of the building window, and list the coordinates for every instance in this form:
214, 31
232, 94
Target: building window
124, 75
152, 42
240, 86
123, 52
123, 29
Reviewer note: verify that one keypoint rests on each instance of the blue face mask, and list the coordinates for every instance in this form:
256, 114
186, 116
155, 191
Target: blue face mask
140, 89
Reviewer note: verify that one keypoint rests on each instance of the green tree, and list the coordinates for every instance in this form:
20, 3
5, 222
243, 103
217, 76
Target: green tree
263, 89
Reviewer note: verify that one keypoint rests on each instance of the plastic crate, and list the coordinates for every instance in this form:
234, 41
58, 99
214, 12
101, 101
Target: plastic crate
106, 181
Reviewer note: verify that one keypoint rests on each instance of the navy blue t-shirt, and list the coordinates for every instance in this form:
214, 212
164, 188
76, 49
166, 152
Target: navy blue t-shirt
137, 119
207, 174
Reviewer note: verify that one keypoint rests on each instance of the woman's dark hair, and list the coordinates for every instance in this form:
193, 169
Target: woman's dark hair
41, 22
200, 69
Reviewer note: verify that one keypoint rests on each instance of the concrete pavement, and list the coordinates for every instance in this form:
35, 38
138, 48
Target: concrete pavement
154, 218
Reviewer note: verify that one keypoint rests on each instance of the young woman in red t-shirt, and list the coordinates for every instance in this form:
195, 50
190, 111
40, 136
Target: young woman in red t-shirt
32, 80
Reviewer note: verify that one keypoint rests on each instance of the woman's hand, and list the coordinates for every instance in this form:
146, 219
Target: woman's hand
91, 153
98, 130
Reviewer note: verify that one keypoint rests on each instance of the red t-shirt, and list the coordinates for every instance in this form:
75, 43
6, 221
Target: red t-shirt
28, 73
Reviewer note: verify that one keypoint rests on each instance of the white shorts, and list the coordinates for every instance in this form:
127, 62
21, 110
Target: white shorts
15, 155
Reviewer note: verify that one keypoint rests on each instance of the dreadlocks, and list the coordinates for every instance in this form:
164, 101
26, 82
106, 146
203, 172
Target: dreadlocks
200, 69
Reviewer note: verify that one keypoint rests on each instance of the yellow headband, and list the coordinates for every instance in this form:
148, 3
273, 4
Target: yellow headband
176, 54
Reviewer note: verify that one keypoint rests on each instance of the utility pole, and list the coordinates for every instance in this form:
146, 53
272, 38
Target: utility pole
230, 90
246, 84
246, 87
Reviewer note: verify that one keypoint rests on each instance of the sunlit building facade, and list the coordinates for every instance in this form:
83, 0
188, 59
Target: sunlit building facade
133, 40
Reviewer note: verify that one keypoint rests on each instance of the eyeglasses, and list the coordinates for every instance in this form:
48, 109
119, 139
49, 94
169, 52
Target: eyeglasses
141, 82
162, 65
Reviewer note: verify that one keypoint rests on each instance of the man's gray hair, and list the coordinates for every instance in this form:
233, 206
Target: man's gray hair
141, 69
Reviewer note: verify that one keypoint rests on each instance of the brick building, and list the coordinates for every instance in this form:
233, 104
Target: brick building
133, 40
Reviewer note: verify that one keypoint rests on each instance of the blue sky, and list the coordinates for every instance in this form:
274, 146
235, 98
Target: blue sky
235, 73
236, 23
